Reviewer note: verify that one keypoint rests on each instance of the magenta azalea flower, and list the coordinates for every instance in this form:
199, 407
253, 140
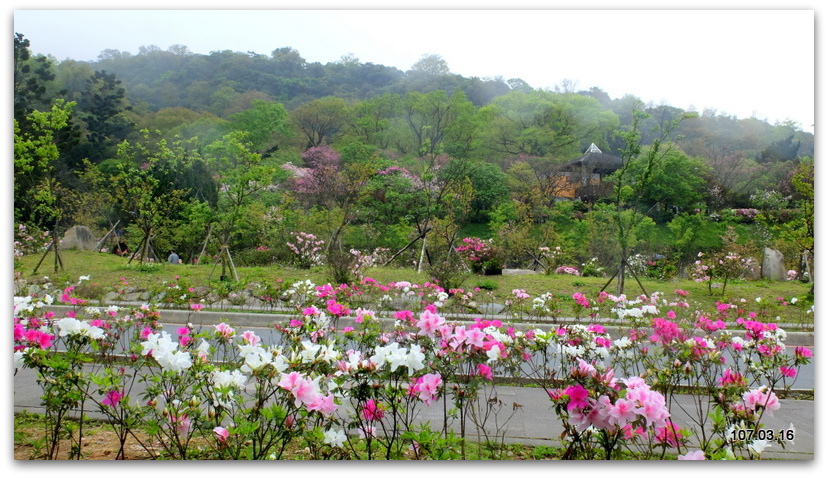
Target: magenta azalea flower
112, 399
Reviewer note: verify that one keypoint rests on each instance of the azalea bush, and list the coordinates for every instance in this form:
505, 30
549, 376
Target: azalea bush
481, 255
307, 250
355, 391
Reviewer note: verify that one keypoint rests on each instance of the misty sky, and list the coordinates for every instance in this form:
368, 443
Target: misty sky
756, 63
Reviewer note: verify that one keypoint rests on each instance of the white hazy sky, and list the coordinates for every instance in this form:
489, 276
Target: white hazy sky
745, 63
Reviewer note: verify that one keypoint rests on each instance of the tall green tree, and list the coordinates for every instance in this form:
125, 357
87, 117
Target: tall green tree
319, 121
101, 109
263, 124
243, 177
144, 189
629, 182
37, 197
32, 77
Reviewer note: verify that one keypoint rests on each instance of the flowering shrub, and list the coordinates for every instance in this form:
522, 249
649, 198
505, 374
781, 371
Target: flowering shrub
722, 267
746, 214
480, 255
355, 392
568, 270
29, 241
307, 250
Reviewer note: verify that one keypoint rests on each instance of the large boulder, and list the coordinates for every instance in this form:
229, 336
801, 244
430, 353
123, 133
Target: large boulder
518, 272
773, 265
79, 237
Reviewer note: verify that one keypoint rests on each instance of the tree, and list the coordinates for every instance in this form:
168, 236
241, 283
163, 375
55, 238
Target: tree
32, 76
542, 124
334, 185
784, 149
629, 183
676, 182
320, 120
144, 189
243, 176
371, 119
289, 63
37, 192
262, 123
431, 64
438, 123
101, 107
488, 183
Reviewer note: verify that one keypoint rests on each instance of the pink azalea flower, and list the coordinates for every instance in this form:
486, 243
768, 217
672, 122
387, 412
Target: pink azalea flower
372, 411
146, 333
427, 387
581, 299
484, 371
475, 337
802, 353
250, 337
577, 397
599, 415
622, 412
730, 377
693, 455
224, 330
181, 422
221, 433
788, 371
761, 398
429, 322
670, 435
324, 404
40, 339
112, 398
303, 390
196, 307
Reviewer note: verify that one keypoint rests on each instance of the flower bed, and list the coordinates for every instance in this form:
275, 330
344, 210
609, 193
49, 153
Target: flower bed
354, 392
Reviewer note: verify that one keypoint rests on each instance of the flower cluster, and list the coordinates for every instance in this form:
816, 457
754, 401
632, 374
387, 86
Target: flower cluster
568, 270
307, 250
481, 255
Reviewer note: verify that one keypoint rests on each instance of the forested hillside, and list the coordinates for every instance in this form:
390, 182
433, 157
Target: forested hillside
277, 159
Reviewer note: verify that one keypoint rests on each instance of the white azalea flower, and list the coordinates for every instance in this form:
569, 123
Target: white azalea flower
175, 361
758, 446
335, 438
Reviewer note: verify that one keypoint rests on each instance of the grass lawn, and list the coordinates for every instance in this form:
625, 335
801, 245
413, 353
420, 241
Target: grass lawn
105, 271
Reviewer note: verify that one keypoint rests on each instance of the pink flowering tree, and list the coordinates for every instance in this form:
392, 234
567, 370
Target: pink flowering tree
328, 184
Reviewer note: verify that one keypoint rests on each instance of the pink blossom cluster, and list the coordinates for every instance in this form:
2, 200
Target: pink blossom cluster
475, 249
306, 392
426, 387
568, 270
634, 404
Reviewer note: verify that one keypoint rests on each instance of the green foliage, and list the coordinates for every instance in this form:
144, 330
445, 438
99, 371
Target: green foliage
486, 284
35, 157
261, 123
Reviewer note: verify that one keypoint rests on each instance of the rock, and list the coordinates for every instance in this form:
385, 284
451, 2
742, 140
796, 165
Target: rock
773, 265
518, 272
491, 308
79, 237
